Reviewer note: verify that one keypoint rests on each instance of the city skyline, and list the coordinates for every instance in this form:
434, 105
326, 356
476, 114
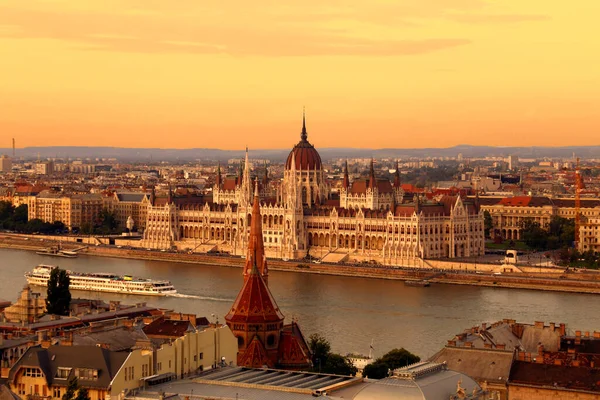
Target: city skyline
409, 74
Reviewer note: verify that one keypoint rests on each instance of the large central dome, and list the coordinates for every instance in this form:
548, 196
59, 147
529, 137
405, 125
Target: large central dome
304, 153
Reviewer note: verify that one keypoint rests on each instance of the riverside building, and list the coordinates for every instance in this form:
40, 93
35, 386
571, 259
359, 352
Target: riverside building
370, 220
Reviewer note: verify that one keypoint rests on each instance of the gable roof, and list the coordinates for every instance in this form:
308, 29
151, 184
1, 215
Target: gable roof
49, 360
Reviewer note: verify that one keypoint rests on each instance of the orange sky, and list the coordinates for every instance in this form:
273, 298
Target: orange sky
376, 73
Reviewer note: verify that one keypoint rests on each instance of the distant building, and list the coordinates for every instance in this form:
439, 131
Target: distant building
370, 221
509, 213
44, 168
129, 204
75, 210
27, 309
5, 163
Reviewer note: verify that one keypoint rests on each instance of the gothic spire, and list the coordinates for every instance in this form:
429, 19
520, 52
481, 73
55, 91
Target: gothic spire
346, 182
170, 197
372, 175
218, 180
266, 177
304, 135
153, 195
397, 181
256, 247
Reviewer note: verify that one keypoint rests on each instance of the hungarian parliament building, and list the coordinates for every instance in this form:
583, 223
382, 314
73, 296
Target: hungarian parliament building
370, 219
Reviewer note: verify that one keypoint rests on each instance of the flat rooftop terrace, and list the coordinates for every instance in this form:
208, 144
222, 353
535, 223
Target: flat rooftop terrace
251, 383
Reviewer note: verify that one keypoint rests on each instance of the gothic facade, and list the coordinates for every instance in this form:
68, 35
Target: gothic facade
368, 221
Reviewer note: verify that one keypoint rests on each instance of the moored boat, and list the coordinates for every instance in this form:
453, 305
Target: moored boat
104, 282
56, 252
417, 282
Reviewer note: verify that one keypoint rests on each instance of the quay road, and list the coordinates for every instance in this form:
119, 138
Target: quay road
576, 282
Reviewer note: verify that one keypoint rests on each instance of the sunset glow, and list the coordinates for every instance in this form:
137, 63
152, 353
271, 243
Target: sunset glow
223, 74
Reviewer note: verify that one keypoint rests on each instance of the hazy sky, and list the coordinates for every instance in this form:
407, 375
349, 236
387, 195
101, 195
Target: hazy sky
371, 73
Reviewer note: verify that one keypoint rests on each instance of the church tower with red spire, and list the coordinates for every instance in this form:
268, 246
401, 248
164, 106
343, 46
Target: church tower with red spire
255, 318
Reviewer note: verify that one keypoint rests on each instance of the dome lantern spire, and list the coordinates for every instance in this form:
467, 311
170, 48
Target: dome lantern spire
304, 135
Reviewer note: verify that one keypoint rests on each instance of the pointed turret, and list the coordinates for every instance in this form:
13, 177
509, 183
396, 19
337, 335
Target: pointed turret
255, 318
346, 181
256, 248
372, 181
397, 181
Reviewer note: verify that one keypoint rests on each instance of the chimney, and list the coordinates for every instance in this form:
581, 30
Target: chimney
552, 326
483, 326
596, 335
539, 325
577, 333
68, 341
451, 343
501, 346
586, 334
563, 329
469, 344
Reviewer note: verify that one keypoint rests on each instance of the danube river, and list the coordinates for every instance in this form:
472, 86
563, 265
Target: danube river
350, 312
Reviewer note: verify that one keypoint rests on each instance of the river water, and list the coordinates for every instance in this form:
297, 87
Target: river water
349, 312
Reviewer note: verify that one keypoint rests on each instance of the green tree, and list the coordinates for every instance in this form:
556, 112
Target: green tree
20, 214
376, 370
339, 365
390, 361
488, 223
107, 222
83, 394
397, 358
58, 297
71, 389
320, 349
326, 361
6, 210
534, 235
87, 228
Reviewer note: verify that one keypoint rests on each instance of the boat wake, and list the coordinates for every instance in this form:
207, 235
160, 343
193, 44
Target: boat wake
191, 296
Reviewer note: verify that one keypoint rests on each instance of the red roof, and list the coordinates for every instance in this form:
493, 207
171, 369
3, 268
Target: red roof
293, 350
255, 355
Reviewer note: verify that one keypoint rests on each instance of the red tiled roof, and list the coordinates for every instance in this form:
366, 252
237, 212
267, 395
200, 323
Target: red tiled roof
167, 328
293, 352
555, 376
229, 183
255, 355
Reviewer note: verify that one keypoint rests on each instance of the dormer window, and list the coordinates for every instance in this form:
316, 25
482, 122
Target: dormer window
86, 373
62, 373
33, 372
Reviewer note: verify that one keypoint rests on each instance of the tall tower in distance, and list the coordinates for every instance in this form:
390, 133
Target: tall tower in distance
13, 147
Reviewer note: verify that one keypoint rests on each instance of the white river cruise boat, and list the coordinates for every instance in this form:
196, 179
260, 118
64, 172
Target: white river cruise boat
103, 282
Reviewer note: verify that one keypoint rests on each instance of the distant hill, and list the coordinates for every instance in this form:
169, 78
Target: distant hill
155, 154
